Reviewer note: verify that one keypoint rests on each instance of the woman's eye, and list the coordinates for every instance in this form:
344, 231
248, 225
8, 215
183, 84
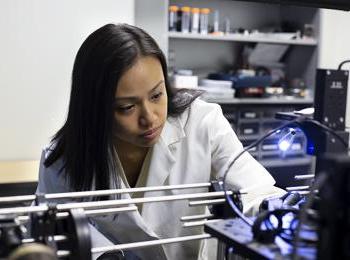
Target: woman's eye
157, 96
125, 108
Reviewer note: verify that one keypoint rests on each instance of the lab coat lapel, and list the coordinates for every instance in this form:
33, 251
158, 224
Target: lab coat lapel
159, 169
163, 157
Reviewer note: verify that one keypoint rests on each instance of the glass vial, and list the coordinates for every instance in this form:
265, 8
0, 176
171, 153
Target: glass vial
185, 19
216, 21
195, 20
204, 20
173, 17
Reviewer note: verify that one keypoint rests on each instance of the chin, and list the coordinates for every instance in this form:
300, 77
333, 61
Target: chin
149, 143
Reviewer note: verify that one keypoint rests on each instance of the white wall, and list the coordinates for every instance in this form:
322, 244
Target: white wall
334, 38
335, 44
38, 43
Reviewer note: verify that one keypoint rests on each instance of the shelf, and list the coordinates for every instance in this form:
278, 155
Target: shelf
264, 101
263, 38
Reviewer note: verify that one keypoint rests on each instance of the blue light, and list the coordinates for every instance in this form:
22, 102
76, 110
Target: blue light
287, 140
284, 145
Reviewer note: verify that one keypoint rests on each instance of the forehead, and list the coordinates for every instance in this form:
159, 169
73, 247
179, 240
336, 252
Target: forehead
140, 78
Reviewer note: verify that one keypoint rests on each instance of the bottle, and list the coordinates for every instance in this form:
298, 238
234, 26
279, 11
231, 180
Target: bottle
173, 17
195, 20
227, 26
216, 21
204, 20
185, 19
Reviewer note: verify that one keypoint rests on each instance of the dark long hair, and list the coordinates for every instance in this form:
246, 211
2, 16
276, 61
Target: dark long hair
85, 142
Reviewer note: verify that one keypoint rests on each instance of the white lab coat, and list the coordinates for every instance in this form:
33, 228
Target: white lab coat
194, 148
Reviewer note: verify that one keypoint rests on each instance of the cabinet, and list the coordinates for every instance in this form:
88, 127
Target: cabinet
208, 53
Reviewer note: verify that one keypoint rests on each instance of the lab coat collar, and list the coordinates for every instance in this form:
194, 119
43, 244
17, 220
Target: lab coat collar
173, 131
163, 157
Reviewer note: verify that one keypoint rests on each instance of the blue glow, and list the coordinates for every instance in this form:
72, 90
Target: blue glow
287, 140
284, 145
310, 149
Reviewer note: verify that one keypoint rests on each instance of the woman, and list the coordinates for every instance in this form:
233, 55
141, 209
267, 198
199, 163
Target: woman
127, 127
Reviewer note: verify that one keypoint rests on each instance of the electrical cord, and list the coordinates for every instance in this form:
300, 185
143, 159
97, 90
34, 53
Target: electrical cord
342, 63
329, 130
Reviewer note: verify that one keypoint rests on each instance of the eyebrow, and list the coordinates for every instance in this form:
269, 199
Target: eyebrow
137, 98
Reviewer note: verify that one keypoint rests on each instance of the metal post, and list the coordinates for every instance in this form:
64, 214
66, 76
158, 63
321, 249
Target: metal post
220, 254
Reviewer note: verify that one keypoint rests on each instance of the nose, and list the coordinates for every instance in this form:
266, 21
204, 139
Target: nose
147, 116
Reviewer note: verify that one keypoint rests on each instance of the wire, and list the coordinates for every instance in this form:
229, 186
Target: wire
228, 198
342, 63
329, 130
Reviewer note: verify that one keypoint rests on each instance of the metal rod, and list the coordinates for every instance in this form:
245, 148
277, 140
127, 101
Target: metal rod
61, 215
199, 223
56, 238
24, 210
63, 253
304, 177
196, 217
206, 202
306, 192
81, 194
148, 243
98, 212
112, 203
23, 218
13, 199
95, 212
101, 204
297, 188
127, 190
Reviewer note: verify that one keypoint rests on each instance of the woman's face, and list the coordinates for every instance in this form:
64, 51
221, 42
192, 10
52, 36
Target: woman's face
141, 103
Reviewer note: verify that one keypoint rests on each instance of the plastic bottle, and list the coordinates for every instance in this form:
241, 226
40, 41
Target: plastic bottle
195, 20
173, 17
204, 20
185, 19
216, 21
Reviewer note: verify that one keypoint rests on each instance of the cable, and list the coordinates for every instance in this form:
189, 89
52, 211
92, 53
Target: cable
329, 130
342, 63
228, 198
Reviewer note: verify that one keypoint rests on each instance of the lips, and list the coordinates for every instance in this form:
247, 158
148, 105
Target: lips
150, 134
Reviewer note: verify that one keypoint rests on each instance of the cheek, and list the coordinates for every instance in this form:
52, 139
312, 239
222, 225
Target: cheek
164, 114
164, 109
124, 125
